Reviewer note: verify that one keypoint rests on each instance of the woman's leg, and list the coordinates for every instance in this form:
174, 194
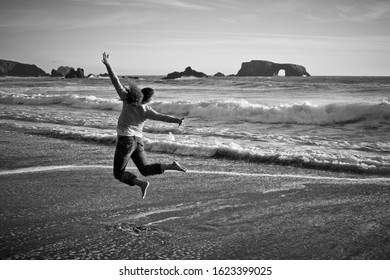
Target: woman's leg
139, 159
124, 148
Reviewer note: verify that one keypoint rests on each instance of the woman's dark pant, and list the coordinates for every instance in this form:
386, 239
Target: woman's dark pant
132, 147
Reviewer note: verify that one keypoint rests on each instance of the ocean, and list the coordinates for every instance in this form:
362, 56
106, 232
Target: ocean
339, 124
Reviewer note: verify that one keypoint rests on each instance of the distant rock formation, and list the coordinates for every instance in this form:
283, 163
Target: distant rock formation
13, 68
62, 71
219, 74
55, 73
188, 72
68, 72
268, 68
79, 73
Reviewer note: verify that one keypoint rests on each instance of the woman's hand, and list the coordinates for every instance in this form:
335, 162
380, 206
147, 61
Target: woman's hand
105, 59
181, 121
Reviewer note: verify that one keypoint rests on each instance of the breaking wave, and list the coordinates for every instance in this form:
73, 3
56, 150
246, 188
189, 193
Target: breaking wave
305, 113
71, 100
314, 159
226, 110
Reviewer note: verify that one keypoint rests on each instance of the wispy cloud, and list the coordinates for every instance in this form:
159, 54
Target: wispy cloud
204, 38
359, 11
183, 4
73, 17
172, 4
373, 11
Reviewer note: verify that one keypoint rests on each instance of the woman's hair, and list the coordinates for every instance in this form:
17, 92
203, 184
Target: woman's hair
148, 93
138, 96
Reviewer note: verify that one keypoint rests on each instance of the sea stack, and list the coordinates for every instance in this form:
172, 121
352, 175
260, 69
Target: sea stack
68, 72
268, 69
188, 72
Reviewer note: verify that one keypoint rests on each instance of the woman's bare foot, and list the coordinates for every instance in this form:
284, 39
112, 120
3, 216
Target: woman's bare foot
144, 189
143, 185
173, 166
178, 167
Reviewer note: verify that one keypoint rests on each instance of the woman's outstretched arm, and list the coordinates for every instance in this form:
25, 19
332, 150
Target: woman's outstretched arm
153, 115
114, 78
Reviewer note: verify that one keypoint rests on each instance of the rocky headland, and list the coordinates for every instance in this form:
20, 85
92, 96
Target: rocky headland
13, 68
269, 69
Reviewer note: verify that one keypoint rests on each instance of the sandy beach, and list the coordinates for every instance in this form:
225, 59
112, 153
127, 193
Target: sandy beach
59, 200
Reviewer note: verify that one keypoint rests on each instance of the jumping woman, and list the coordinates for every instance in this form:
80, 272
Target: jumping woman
130, 144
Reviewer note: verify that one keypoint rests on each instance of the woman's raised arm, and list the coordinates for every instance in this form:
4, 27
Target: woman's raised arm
114, 78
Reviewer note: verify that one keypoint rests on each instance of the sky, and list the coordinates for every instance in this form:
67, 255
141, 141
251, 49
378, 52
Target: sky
156, 37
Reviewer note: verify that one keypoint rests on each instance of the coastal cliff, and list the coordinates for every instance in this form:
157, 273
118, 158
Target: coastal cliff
268, 68
13, 68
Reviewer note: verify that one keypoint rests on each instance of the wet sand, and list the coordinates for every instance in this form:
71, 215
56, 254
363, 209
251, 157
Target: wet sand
220, 209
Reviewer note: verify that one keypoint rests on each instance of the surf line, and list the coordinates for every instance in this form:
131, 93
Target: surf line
35, 169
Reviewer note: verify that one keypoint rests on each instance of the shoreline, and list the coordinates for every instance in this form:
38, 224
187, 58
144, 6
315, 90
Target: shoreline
207, 213
49, 168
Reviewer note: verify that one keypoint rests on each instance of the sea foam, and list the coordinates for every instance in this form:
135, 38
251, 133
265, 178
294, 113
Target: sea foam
71, 100
322, 159
304, 113
226, 110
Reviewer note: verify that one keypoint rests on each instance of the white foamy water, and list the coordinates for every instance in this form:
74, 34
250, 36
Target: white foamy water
332, 123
